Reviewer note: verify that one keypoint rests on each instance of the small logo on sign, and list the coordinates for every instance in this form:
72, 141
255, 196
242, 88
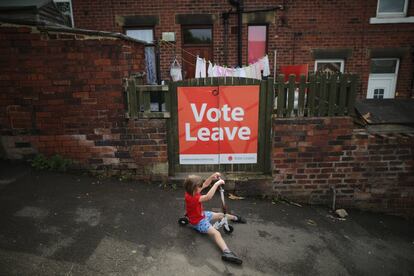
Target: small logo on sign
230, 158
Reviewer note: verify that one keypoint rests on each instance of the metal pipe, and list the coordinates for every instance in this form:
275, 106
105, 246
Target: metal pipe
239, 32
226, 27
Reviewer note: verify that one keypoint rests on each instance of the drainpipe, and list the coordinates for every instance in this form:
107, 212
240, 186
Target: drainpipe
239, 11
240, 29
225, 17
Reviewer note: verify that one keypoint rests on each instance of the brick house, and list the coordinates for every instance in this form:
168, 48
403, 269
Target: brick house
372, 38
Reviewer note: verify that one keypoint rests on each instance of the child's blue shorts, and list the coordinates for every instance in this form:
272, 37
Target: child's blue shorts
204, 224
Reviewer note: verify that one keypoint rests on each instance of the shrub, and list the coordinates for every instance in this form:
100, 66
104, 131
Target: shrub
54, 163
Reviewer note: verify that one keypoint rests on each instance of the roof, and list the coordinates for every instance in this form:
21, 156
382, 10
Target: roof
33, 12
22, 4
386, 115
46, 17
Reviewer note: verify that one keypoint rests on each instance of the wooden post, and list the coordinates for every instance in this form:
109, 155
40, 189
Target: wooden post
280, 95
291, 95
301, 100
311, 95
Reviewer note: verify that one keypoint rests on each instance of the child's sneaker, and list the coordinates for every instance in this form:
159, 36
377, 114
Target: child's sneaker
239, 219
229, 256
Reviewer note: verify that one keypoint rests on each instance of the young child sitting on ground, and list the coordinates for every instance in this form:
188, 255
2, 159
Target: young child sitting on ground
200, 219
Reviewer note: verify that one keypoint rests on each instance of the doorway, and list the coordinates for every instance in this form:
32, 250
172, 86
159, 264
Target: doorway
383, 78
197, 40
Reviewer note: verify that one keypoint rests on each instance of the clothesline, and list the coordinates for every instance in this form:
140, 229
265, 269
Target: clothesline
191, 54
254, 70
189, 62
175, 46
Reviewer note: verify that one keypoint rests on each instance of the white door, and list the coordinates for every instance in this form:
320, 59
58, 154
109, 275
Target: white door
383, 78
381, 87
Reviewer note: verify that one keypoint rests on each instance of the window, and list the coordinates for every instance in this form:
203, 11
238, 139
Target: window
384, 66
329, 65
392, 8
147, 35
65, 7
379, 93
257, 43
197, 36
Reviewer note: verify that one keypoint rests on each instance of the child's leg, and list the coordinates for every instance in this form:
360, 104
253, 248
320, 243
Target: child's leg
218, 216
213, 232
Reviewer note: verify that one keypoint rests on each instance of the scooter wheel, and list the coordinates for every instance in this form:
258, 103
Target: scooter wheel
229, 230
183, 221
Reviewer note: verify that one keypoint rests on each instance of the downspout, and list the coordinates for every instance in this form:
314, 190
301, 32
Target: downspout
225, 17
239, 31
157, 61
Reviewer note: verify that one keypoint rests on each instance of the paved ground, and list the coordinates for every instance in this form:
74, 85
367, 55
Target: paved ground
55, 224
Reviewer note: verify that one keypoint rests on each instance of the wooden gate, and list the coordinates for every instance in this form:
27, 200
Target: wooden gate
266, 95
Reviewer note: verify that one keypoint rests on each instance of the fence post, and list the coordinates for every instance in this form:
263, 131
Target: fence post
311, 95
291, 95
322, 96
280, 95
301, 100
343, 79
352, 94
332, 94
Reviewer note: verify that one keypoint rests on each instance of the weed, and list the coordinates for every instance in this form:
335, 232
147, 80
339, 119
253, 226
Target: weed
54, 163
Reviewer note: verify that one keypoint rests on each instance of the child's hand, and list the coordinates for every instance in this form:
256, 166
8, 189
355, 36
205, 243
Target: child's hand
220, 182
215, 176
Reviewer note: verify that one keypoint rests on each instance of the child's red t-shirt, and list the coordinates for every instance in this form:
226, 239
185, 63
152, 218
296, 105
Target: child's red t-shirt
194, 208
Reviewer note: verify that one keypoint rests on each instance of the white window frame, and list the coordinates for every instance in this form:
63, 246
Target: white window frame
71, 9
392, 14
142, 29
397, 66
342, 61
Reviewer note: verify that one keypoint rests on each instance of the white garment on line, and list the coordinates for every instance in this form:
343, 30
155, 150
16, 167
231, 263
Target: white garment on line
242, 72
200, 71
175, 71
266, 67
210, 69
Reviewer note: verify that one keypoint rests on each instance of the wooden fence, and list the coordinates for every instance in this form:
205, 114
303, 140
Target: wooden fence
139, 99
321, 95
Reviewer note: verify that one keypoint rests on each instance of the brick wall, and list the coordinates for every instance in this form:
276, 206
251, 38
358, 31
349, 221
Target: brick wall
374, 172
299, 28
62, 93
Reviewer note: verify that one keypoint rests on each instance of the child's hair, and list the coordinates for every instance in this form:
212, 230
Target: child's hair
191, 182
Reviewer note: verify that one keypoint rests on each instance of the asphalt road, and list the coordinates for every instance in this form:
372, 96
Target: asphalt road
62, 224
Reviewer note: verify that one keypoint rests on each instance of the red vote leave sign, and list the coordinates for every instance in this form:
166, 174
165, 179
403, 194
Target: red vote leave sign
218, 124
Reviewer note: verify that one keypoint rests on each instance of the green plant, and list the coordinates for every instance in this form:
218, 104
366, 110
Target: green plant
54, 163
40, 162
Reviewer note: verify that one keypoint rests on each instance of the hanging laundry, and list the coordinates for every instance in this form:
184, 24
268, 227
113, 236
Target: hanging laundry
200, 71
150, 65
175, 71
266, 67
221, 71
257, 70
241, 72
210, 69
231, 72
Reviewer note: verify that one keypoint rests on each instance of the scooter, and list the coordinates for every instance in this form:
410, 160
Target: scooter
218, 224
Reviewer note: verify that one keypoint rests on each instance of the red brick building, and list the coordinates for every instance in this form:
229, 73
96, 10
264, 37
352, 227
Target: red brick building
373, 38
